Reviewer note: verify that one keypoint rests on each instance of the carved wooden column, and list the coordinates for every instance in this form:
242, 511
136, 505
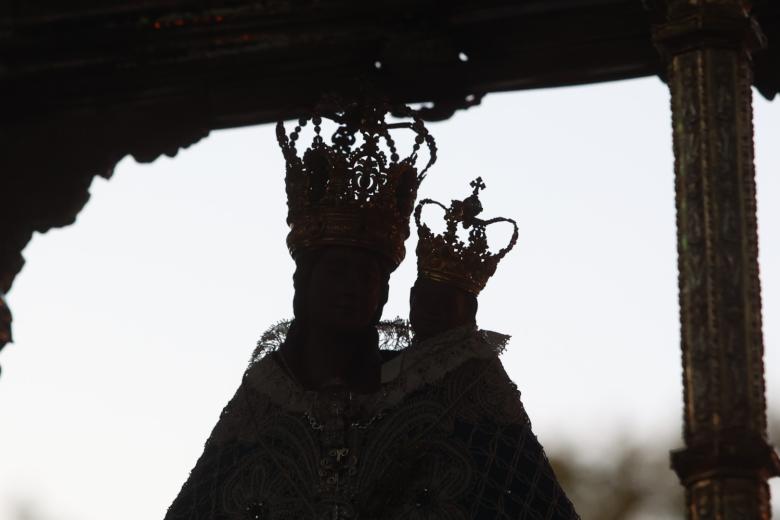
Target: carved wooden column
727, 460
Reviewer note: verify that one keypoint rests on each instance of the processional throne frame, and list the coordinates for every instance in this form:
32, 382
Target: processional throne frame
83, 84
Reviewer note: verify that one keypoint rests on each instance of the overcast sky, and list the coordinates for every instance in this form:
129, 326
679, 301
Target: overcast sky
133, 326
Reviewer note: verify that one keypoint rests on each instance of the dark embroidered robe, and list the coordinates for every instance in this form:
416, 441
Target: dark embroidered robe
446, 438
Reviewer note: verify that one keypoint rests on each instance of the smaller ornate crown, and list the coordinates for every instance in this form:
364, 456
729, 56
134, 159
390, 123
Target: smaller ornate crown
357, 190
448, 259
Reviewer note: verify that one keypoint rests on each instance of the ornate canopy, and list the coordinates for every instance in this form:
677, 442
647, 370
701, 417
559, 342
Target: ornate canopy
83, 84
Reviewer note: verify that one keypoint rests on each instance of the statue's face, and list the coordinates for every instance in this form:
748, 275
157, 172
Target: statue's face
435, 307
345, 289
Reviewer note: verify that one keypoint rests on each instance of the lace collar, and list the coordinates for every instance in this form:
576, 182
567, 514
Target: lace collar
422, 363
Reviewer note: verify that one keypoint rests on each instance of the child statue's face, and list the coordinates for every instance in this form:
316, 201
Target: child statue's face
435, 307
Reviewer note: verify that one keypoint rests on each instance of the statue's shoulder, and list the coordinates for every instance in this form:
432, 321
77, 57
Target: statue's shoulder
481, 390
265, 391
429, 362
468, 370
448, 350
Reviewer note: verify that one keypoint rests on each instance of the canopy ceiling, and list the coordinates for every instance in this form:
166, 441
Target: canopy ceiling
85, 82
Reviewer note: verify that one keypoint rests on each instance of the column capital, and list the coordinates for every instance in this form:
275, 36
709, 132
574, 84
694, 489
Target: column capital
698, 25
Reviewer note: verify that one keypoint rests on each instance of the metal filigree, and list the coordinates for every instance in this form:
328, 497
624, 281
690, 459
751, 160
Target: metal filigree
447, 258
356, 190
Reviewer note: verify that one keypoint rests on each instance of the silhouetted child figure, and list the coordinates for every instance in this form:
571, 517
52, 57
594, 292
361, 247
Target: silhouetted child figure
488, 430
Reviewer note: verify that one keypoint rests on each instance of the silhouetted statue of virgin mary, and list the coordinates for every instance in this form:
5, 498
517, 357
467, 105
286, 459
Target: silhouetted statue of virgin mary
330, 426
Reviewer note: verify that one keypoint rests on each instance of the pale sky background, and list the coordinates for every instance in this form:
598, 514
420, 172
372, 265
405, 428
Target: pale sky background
133, 326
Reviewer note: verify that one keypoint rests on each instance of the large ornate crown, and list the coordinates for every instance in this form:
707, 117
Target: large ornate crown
446, 258
355, 190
